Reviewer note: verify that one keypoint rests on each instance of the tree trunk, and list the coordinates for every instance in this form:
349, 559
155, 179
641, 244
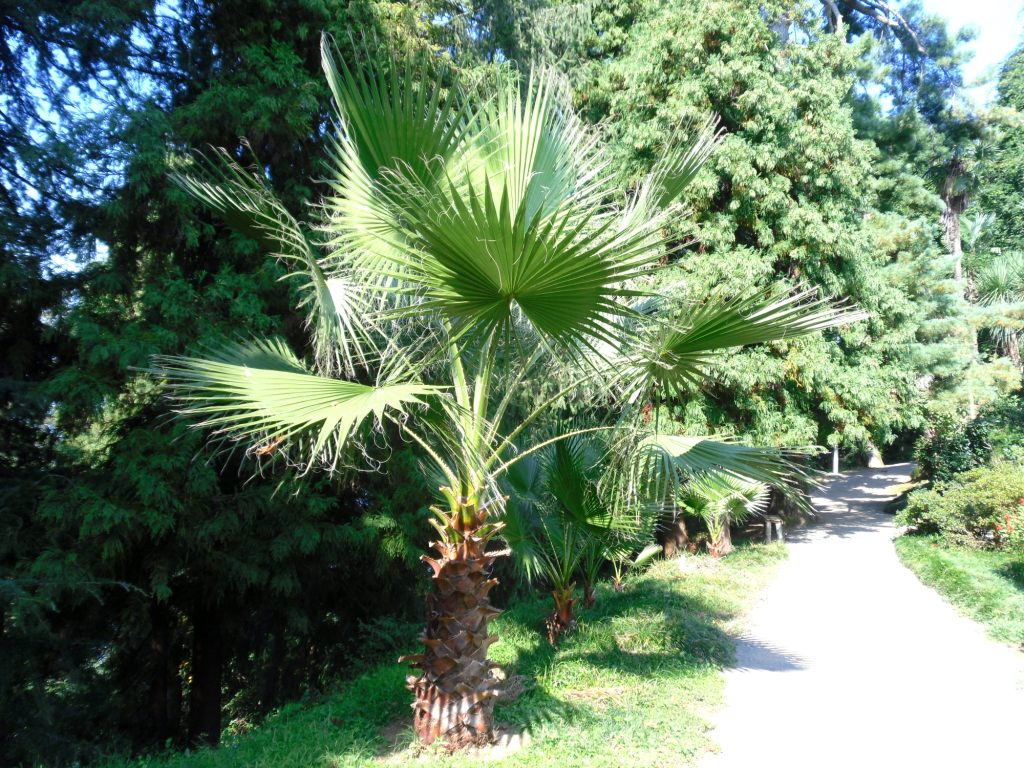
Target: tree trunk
875, 460
672, 535
269, 694
589, 594
455, 690
561, 619
158, 728
207, 668
722, 543
955, 201
1013, 348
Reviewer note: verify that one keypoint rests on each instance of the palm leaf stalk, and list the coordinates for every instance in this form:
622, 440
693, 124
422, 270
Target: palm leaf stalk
472, 237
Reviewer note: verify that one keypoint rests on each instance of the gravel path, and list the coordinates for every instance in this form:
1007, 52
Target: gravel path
850, 661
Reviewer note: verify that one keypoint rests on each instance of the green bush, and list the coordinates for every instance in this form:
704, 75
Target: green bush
969, 509
951, 446
1004, 424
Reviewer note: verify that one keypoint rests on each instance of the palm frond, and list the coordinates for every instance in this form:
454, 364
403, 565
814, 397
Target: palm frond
722, 499
406, 112
260, 392
665, 463
682, 162
678, 352
247, 205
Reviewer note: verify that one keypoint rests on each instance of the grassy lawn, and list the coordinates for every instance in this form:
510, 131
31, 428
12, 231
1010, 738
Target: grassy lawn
986, 586
631, 687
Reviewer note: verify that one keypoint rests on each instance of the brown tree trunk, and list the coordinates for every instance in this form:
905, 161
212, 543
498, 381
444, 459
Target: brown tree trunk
206, 668
672, 535
455, 691
269, 694
561, 619
589, 594
721, 544
1013, 348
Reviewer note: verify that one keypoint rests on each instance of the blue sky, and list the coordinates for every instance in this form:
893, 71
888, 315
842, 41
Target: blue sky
1000, 27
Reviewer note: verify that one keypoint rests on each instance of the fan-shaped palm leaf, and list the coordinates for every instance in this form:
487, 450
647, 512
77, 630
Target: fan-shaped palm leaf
336, 307
678, 351
259, 391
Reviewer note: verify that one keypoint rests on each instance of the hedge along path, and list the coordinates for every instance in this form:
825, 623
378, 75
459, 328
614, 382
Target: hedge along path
850, 659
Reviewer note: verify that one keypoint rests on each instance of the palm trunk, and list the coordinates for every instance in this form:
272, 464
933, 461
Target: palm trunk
954, 202
455, 691
671, 533
1013, 349
562, 619
721, 544
589, 594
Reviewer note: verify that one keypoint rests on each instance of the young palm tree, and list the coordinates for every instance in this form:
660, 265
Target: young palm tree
562, 523
473, 239
722, 500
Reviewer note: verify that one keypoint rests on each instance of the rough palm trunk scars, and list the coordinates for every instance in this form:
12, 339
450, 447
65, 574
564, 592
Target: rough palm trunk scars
455, 690
589, 594
722, 543
562, 619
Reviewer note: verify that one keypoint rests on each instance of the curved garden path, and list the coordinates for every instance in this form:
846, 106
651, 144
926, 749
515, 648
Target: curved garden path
850, 661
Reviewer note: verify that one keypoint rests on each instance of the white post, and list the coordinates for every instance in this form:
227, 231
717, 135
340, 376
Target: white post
835, 459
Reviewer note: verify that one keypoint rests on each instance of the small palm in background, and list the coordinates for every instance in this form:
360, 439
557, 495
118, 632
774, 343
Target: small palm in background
567, 516
721, 501
473, 240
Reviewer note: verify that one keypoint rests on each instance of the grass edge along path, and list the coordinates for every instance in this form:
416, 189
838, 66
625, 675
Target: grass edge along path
632, 686
986, 586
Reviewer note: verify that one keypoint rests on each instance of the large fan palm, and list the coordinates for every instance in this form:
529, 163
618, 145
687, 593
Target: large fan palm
472, 240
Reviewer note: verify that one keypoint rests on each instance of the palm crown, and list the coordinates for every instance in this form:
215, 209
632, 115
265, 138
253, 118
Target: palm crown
472, 236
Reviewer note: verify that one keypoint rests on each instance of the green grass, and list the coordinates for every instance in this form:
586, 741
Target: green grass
987, 586
631, 687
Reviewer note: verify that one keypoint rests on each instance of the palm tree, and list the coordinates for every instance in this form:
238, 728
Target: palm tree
563, 523
473, 239
722, 500
1000, 287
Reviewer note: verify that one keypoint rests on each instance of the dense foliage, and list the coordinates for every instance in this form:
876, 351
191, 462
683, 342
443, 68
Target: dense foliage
153, 592
970, 509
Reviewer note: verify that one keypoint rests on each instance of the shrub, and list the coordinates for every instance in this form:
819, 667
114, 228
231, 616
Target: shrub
951, 446
1004, 423
1011, 529
969, 509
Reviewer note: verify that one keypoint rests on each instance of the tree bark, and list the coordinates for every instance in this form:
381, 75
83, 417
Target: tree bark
562, 619
589, 594
158, 705
722, 543
207, 669
954, 199
1013, 348
875, 460
455, 690
672, 535
269, 694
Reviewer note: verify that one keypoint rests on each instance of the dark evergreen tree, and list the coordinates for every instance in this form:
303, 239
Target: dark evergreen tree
1001, 172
